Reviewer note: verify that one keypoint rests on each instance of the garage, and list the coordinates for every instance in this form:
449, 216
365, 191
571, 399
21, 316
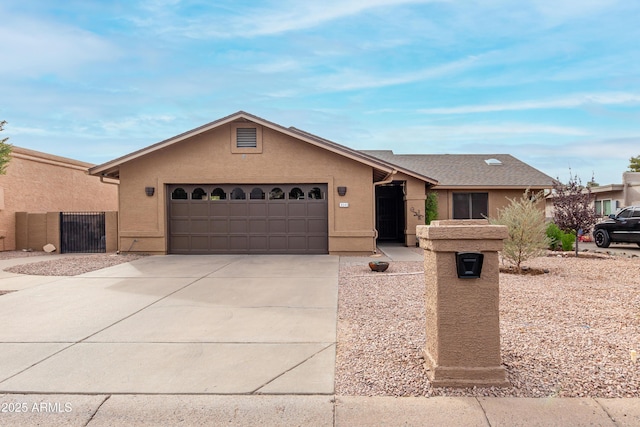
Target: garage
247, 218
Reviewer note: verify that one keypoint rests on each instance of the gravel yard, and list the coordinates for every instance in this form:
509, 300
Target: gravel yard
71, 265
568, 333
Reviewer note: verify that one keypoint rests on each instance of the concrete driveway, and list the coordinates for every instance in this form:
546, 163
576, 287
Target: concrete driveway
174, 324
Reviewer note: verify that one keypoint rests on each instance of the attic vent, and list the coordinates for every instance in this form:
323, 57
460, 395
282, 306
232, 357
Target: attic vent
493, 162
246, 138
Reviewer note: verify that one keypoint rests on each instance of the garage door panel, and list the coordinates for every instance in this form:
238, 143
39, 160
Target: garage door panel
258, 244
299, 208
200, 243
275, 224
317, 225
238, 243
219, 243
218, 226
277, 208
317, 244
199, 226
258, 209
317, 209
199, 209
180, 226
219, 208
297, 226
258, 226
179, 209
238, 208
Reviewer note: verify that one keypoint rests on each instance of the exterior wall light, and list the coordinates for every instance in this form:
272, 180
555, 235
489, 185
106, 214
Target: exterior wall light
342, 191
149, 191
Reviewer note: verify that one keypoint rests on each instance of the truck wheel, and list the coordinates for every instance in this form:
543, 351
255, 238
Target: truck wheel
601, 237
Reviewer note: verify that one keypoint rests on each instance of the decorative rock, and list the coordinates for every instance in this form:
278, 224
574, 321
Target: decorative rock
48, 248
379, 266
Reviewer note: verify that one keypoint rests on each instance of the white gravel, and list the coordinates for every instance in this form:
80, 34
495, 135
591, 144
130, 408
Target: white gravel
568, 333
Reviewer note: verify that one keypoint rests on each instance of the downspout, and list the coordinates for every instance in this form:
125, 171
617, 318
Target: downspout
387, 180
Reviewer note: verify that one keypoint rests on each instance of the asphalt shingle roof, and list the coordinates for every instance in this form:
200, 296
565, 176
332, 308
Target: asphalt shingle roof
467, 170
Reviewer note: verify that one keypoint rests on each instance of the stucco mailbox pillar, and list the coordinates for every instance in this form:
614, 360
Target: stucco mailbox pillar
463, 330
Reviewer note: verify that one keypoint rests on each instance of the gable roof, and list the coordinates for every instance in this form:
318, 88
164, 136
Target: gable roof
470, 170
381, 168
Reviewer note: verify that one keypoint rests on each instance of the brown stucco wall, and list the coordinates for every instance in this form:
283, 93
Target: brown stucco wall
40, 182
211, 157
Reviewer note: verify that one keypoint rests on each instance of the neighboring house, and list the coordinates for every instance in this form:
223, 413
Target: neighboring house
37, 182
610, 198
242, 184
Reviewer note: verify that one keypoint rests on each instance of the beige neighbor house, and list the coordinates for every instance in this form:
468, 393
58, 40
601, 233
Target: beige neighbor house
610, 198
242, 184
37, 183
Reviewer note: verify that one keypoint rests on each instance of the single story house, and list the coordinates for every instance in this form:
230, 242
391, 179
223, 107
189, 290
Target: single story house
611, 198
242, 184
37, 182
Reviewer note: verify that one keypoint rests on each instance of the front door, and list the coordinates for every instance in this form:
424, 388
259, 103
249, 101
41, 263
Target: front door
390, 221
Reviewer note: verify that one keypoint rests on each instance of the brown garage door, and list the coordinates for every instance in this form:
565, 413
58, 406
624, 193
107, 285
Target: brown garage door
261, 218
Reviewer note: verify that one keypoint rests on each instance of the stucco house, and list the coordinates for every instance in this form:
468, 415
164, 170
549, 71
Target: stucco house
610, 198
242, 184
37, 182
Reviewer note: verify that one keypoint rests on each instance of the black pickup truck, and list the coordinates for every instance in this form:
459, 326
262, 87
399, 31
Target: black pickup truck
622, 227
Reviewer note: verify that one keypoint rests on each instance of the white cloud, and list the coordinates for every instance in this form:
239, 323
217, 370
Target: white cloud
570, 101
37, 47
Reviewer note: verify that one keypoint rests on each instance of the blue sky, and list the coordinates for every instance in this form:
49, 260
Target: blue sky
554, 83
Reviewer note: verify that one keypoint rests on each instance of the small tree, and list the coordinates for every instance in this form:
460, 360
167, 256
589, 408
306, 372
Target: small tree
527, 229
573, 210
431, 207
5, 151
634, 164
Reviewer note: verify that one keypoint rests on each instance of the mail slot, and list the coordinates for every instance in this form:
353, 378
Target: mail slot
469, 264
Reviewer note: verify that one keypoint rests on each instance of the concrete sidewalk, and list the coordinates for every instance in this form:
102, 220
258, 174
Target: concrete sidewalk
313, 410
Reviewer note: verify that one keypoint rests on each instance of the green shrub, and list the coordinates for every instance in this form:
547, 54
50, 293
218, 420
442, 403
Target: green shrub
431, 207
555, 236
568, 239
559, 240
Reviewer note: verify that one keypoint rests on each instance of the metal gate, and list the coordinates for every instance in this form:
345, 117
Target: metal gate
82, 232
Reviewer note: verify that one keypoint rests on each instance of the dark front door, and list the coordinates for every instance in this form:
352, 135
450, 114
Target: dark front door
390, 221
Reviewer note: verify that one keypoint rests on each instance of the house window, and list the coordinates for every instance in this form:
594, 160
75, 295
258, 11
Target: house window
603, 207
470, 205
246, 138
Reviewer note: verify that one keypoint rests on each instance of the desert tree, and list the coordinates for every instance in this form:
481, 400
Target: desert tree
634, 164
573, 209
526, 226
5, 150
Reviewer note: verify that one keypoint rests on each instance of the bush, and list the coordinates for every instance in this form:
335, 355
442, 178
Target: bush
526, 226
555, 236
568, 239
558, 239
431, 207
